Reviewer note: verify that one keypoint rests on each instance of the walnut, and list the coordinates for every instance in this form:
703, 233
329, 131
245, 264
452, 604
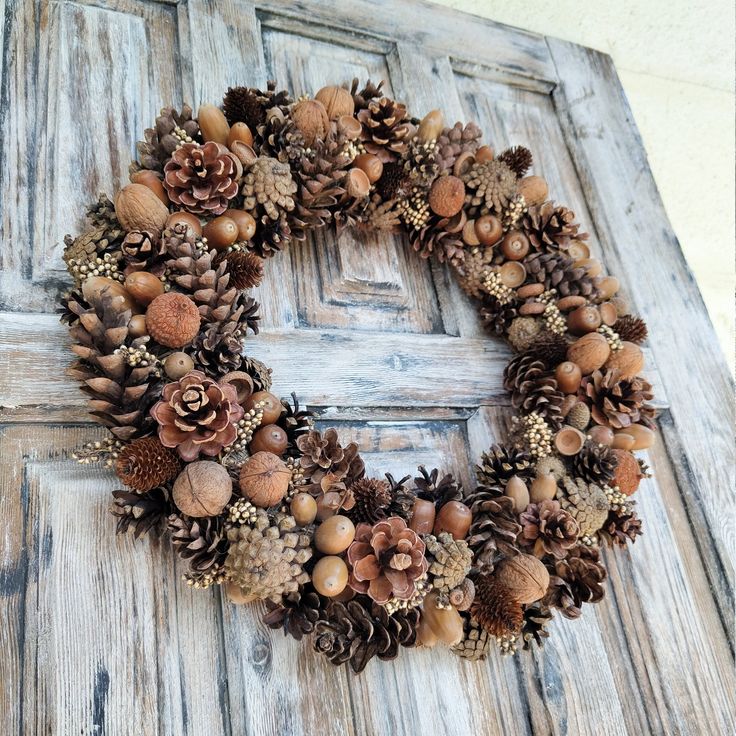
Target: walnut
264, 479
203, 488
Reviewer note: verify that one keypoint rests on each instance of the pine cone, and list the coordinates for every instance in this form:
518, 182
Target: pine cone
420, 162
372, 500
266, 560
494, 528
269, 189
386, 129
471, 273
532, 389
102, 214
534, 629
551, 228
258, 371
145, 463
556, 271
196, 415
621, 527
326, 462
202, 179
517, 158
430, 487
586, 503
143, 251
631, 329
550, 348
202, 542
523, 332
146, 513
358, 630
490, 185
249, 105
362, 98
271, 236
245, 269
297, 613
549, 528
402, 497
595, 463
496, 315
451, 563
172, 130
616, 402
429, 239
386, 560
475, 642
217, 350
495, 608
295, 422
455, 141
500, 464
575, 580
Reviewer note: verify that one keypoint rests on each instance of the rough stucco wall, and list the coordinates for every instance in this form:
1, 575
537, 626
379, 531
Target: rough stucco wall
676, 63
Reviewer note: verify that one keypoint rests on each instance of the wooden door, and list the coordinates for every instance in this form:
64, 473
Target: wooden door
99, 635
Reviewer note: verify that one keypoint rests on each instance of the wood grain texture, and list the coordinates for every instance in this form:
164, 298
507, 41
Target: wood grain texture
383, 346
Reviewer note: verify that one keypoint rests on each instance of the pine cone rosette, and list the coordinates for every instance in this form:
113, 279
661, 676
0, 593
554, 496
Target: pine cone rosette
549, 528
616, 402
576, 579
386, 560
196, 415
202, 178
386, 130
326, 463
550, 228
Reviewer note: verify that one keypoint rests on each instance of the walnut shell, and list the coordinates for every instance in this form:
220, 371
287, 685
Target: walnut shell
203, 488
337, 101
534, 190
589, 352
311, 119
525, 576
172, 320
629, 360
149, 179
264, 479
138, 208
447, 196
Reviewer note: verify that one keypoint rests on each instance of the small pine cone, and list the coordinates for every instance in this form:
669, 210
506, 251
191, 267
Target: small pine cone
394, 183
439, 490
457, 140
241, 105
171, 130
556, 271
615, 401
361, 98
142, 250
534, 629
386, 128
146, 513
245, 269
550, 228
269, 189
523, 332
372, 499
146, 463
578, 416
497, 316
259, 372
576, 579
621, 528
494, 529
472, 271
631, 329
587, 504
549, 528
595, 463
550, 348
499, 464
495, 607
518, 159
475, 642
297, 613
201, 542
451, 563
532, 389
490, 185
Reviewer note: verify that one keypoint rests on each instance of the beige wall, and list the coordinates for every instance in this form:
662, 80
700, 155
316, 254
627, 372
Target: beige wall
676, 63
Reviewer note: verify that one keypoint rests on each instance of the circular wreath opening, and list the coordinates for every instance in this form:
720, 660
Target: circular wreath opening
250, 494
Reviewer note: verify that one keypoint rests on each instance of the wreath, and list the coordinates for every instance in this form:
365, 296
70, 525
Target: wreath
252, 496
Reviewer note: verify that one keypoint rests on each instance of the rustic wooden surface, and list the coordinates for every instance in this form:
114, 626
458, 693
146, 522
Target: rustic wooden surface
98, 633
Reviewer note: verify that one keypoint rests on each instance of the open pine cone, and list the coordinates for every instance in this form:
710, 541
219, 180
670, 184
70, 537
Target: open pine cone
576, 579
616, 402
172, 129
386, 129
550, 228
549, 528
326, 463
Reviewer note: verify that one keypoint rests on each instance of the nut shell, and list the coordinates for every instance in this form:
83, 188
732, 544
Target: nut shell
330, 576
187, 219
431, 126
568, 376
629, 361
336, 100
534, 189
144, 287
138, 208
334, 535
172, 320
370, 165
203, 488
311, 119
270, 438
272, 408
569, 441
213, 124
447, 196
221, 232
177, 365
590, 352
264, 479
525, 576
243, 384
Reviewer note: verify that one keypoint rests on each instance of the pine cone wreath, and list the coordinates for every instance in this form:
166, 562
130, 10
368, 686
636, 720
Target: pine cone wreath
202, 178
386, 128
490, 185
556, 271
495, 607
621, 527
172, 130
615, 401
518, 159
631, 329
145, 463
551, 228
439, 490
475, 643
499, 464
145, 513
587, 503
494, 528
455, 141
533, 389
201, 542
372, 500
576, 579
356, 631
549, 528
296, 613
266, 561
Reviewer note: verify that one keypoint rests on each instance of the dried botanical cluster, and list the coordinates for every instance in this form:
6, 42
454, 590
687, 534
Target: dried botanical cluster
253, 496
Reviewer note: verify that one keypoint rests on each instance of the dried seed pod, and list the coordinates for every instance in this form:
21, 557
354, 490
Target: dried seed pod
138, 208
264, 479
213, 124
337, 101
330, 576
447, 196
590, 352
172, 320
144, 287
245, 222
525, 576
568, 376
370, 165
569, 441
515, 245
534, 189
221, 232
269, 438
488, 229
203, 488
334, 535
628, 472
583, 320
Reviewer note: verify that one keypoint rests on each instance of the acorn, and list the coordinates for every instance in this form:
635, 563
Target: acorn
97, 287
543, 487
628, 473
303, 508
422, 516
330, 576
568, 376
484, 153
591, 266
213, 124
203, 488
643, 436
239, 132
583, 320
578, 249
488, 229
431, 126
311, 119
172, 320
187, 219
264, 479
629, 360
272, 408
177, 365
622, 441
534, 189
609, 314
245, 222
447, 196
242, 382
149, 179
334, 535
220, 232
269, 438
569, 441
370, 165
601, 435
357, 183
337, 101
443, 624
454, 517
607, 287
568, 303
515, 245
137, 326
518, 492
590, 352
144, 287
512, 274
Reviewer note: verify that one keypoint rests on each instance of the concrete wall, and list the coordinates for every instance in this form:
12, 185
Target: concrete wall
676, 63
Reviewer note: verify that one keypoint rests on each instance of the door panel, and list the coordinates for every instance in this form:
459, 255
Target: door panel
99, 633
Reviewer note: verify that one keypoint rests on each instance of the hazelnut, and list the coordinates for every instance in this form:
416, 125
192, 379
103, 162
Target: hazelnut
422, 516
601, 435
172, 320
454, 517
337, 101
177, 365
357, 184
220, 232
137, 326
447, 196
144, 287
370, 165
264, 479
270, 438
568, 376
213, 124
203, 488
484, 153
